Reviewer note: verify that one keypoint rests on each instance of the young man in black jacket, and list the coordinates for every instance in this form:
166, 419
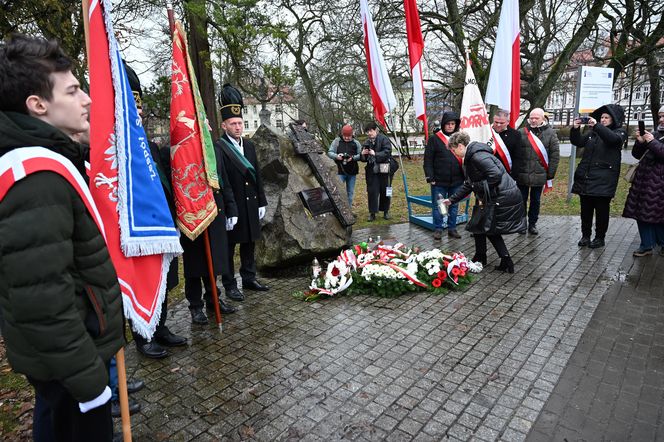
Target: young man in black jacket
59, 291
444, 172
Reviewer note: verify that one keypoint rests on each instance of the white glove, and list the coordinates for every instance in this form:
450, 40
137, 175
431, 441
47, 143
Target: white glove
261, 212
230, 222
100, 400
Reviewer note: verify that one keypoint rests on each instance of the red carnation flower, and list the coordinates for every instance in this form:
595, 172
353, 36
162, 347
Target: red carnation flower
446, 263
442, 274
456, 271
335, 271
436, 282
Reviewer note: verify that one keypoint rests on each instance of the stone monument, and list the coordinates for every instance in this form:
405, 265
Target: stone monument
306, 215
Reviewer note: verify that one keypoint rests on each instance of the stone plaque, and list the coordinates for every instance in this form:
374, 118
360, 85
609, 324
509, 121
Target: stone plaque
313, 151
316, 201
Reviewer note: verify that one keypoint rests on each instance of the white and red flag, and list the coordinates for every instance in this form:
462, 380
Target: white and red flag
382, 95
415, 51
474, 118
139, 230
504, 88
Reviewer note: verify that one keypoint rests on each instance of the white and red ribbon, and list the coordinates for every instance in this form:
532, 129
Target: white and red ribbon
542, 154
500, 148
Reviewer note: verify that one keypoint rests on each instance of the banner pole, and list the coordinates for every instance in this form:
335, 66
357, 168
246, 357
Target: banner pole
213, 280
171, 17
124, 395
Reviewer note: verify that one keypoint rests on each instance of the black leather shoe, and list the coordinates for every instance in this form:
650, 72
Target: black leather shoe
168, 339
453, 234
134, 407
532, 229
198, 316
479, 258
134, 386
226, 309
254, 285
387, 215
372, 217
584, 241
235, 294
506, 265
151, 350
597, 243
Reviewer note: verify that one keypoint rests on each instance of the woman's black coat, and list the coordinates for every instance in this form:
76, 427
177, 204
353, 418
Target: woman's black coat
481, 165
599, 169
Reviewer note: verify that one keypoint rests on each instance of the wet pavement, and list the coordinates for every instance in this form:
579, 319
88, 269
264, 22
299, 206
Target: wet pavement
479, 364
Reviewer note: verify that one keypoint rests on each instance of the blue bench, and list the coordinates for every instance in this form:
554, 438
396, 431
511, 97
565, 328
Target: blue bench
426, 219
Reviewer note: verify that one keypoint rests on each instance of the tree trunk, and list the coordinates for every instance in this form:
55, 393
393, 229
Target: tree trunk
655, 89
199, 46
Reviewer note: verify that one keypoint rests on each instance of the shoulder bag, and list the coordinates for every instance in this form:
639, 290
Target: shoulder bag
483, 219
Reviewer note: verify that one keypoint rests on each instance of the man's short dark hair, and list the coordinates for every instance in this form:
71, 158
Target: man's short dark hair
370, 126
26, 65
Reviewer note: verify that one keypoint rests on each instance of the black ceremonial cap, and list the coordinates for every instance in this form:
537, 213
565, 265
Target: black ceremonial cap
231, 102
134, 84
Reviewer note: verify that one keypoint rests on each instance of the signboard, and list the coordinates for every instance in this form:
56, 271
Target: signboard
594, 88
316, 201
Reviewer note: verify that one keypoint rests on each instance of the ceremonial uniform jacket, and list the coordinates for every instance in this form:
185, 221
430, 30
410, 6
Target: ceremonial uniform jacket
248, 191
195, 260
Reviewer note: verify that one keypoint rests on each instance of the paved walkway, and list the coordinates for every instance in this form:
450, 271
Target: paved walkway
613, 386
479, 364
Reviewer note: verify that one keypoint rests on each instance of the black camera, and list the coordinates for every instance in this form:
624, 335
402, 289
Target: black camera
585, 119
345, 156
642, 127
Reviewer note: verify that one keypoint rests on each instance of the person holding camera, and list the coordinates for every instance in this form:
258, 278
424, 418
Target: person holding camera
596, 177
644, 201
345, 151
376, 152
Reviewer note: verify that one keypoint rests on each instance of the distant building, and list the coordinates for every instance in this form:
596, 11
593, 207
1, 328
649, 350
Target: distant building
283, 110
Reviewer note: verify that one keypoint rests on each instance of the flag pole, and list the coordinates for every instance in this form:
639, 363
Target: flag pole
213, 280
124, 395
119, 356
397, 144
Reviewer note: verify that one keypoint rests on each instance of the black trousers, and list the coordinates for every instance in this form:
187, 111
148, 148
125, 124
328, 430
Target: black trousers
58, 418
600, 207
193, 288
376, 185
247, 265
497, 242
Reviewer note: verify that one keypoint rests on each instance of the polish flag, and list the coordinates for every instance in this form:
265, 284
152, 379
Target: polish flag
504, 88
382, 95
415, 50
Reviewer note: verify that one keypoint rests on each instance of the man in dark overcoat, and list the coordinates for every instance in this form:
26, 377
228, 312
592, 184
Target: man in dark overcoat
194, 258
245, 179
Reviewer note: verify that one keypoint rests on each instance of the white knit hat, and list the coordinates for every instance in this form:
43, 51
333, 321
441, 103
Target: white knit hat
661, 110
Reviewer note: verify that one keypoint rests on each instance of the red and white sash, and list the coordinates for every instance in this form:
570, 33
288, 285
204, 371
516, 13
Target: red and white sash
543, 156
445, 139
21, 162
500, 149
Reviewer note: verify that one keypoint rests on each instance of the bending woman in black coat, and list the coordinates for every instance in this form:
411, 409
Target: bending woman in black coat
596, 178
484, 171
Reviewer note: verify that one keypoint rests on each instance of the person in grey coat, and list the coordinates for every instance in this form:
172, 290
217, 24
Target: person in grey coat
527, 168
345, 151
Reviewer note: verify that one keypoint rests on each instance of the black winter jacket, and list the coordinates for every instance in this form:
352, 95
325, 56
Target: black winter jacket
481, 165
599, 169
440, 165
59, 291
381, 145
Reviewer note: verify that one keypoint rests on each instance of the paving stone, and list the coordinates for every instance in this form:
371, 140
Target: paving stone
475, 364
